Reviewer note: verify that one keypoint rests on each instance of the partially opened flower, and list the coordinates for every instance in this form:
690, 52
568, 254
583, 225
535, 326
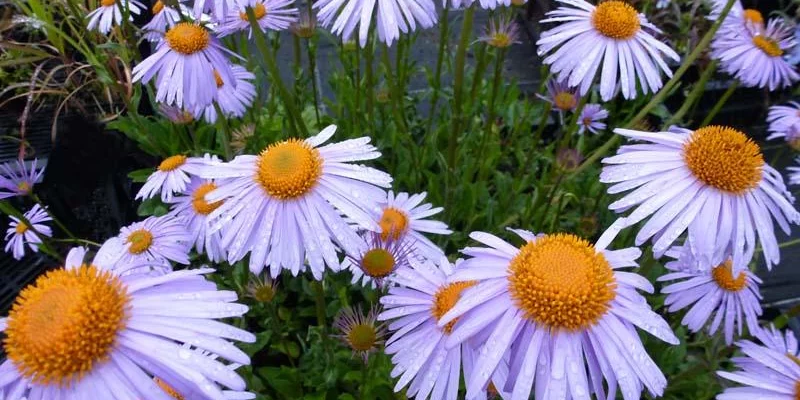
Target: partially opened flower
765, 372
85, 332
192, 209
361, 333
592, 118
731, 298
607, 41
172, 176
378, 259
305, 26
16, 179
712, 182
392, 17
164, 17
794, 173
738, 17
20, 234
275, 15
176, 115
501, 33
784, 122
109, 13
285, 205
184, 65
262, 288
404, 218
562, 97
756, 57
566, 313
155, 242
233, 98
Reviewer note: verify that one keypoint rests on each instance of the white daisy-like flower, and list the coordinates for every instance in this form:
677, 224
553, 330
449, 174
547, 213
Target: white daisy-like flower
564, 311
193, 210
172, 176
794, 173
784, 122
378, 259
274, 15
607, 40
87, 332
155, 242
733, 300
285, 205
421, 359
109, 13
712, 182
233, 99
404, 218
164, 17
19, 234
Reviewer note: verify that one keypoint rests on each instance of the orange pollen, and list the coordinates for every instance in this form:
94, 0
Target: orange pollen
768, 45
107, 3
723, 275
140, 241
289, 169
24, 187
65, 324
565, 101
753, 16
187, 38
172, 163
199, 203
724, 158
447, 297
169, 390
259, 11
378, 263
560, 281
157, 7
616, 19
218, 79
393, 223
21, 228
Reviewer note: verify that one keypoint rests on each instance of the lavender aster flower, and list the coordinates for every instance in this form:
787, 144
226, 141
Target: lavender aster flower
185, 62
501, 33
378, 260
172, 176
561, 96
564, 311
109, 332
192, 208
712, 182
177, 115
362, 333
155, 242
164, 17
18, 180
19, 234
774, 339
606, 40
784, 122
393, 17
233, 98
286, 205
109, 13
274, 15
404, 218
732, 295
592, 118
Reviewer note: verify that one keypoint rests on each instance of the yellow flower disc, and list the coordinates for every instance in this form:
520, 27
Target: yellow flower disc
447, 297
289, 169
616, 20
187, 38
724, 158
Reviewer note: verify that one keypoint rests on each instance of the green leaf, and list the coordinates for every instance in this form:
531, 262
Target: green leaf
140, 175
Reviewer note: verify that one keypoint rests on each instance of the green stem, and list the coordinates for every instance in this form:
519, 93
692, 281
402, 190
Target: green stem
720, 103
312, 68
224, 133
496, 83
298, 67
662, 94
437, 74
319, 300
789, 243
288, 100
694, 95
395, 88
480, 68
370, 79
572, 127
78, 241
549, 199
542, 122
458, 86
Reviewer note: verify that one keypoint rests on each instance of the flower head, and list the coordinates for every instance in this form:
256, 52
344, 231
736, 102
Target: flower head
192, 209
275, 15
305, 26
712, 182
18, 180
19, 233
154, 242
361, 333
501, 33
176, 115
563, 309
568, 159
172, 175
262, 288
164, 17
404, 218
233, 99
609, 40
109, 13
285, 205
592, 117
378, 260
392, 17
85, 331
561, 96
732, 295
784, 122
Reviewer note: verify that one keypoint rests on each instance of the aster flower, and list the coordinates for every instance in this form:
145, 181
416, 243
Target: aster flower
186, 62
192, 210
110, 332
262, 288
766, 372
172, 176
404, 218
164, 17
305, 26
19, 233
233, 98
756, 57
592, 117
564, 311
285, 205
155, 242
109, 13
176, 115
378, 259
607, 40
784, 122
712, 182
421, 359
227, 394
733, 300
561, 96
501, 33
274, 15
794, 173
393, 17
18, 180
738, 17
361, 333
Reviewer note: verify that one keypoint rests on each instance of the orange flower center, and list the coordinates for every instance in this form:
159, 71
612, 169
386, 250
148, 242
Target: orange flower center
378, 263
172, 163
393, 222
753, 16
616, 20
188, 38
21, 228
724, 158
768, 45
107, 3
289, 169
259, 11
199, 203
140, 241
157, 7
565, 101
446, 298
723, 276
